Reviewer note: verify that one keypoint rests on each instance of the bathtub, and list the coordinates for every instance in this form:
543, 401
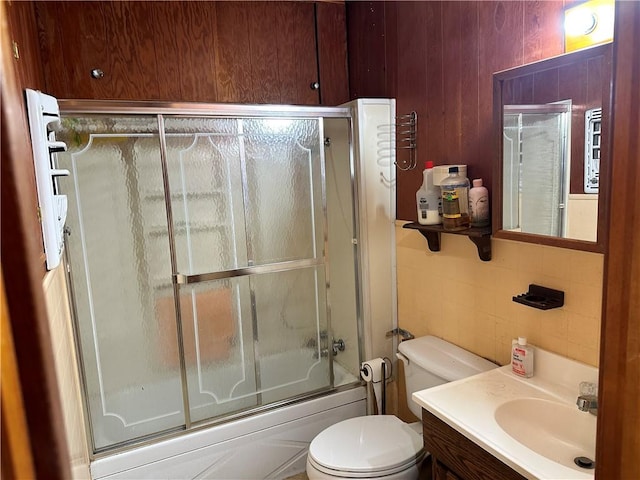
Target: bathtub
272, 444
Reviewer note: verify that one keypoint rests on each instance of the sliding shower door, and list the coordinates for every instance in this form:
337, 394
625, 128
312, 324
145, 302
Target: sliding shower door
248, 223
199, 275
119, 254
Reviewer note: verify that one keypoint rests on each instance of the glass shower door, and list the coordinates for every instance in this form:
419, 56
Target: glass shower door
119, 255
248, 228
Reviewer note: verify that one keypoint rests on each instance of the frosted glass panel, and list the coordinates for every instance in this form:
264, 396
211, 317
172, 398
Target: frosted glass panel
229, 369
218, 341
244, 191
284, 190
119, 254
291, 311
203, 156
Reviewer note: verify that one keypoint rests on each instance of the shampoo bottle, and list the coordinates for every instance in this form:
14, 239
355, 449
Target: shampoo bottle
428, 198
522, 358
479, 204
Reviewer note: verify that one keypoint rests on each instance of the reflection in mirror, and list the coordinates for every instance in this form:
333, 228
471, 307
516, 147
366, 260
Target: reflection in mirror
535, 167
551, 123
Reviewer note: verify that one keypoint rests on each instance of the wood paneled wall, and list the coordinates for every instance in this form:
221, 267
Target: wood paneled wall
437, 58
618, 433
22, 36
239, 52
21, 265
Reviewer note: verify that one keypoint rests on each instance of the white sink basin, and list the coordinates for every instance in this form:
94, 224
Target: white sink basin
531, 424
554, 430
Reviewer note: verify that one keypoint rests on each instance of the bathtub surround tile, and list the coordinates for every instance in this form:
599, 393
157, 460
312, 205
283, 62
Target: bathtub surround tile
55, 290
453, 295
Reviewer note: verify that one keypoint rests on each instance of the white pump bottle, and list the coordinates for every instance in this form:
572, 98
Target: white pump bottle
428, 198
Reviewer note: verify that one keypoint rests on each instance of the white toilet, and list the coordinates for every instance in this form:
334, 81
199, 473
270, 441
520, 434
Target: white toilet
382, 446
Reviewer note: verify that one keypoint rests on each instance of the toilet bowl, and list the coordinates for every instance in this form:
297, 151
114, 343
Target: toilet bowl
383, 446
366, 447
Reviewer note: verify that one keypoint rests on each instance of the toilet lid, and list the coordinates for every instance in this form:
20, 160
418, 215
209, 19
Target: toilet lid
372, 444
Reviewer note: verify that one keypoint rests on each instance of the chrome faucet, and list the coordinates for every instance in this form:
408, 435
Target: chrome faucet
588, 398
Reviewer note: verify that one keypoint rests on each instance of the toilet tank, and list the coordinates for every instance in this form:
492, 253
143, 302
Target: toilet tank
430, 361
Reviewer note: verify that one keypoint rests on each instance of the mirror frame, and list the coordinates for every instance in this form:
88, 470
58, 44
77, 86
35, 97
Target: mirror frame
604, 189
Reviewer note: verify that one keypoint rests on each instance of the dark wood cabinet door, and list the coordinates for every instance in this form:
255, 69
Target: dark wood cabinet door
116, 38
239, 52
442, 472
266, 52
331, 21
453, 452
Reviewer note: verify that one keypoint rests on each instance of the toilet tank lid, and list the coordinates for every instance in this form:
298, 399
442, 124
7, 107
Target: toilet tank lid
443, 359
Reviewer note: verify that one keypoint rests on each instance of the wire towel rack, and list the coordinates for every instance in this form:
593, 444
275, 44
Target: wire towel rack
399, 136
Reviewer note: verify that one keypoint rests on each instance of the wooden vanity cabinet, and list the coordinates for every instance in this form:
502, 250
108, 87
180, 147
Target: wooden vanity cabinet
455, 457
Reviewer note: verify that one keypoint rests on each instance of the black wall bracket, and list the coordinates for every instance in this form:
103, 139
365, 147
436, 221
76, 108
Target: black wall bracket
481, 237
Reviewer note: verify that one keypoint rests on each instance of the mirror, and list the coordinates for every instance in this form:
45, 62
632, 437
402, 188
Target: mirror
551, 120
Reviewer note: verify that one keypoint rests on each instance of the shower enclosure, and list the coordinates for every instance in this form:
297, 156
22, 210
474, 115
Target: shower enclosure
213, 254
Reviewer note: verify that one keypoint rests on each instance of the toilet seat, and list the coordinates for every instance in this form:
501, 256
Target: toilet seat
366, 447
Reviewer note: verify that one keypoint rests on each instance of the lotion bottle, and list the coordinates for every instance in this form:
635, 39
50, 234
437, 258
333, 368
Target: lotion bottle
522, 358
479, 204
428, 198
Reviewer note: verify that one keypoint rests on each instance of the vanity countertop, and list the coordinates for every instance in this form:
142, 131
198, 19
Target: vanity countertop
470, 405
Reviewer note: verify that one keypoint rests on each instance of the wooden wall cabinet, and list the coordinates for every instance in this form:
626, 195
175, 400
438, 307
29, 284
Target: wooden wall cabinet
237, 52
455, 457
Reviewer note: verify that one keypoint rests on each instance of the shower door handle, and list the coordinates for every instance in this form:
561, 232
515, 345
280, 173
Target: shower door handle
182, 279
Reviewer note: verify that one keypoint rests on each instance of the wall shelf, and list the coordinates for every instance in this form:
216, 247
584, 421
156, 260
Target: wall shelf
480, 236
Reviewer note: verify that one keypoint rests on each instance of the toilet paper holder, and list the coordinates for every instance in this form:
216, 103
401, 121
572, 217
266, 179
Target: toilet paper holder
367, 371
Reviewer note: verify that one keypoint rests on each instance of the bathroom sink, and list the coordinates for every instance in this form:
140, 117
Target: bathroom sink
557, 431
